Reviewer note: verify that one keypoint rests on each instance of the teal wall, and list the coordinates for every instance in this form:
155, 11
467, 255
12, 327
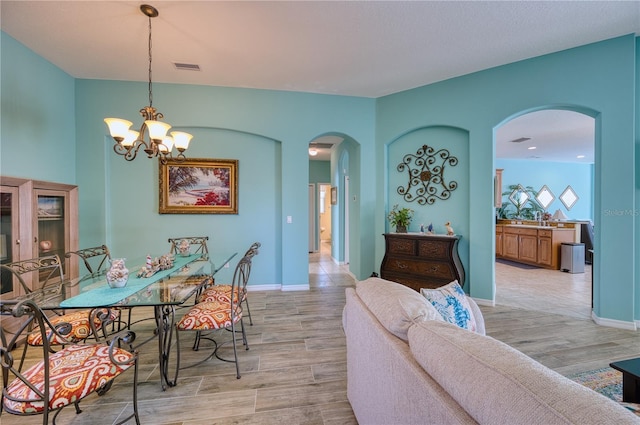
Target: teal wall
37, 126
557, 176
598, 80
319, 172
267, 131
52, 129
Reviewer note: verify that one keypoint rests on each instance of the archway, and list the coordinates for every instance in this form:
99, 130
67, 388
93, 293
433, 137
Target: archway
550, 152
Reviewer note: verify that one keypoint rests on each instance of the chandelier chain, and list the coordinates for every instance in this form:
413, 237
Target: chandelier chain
150, 60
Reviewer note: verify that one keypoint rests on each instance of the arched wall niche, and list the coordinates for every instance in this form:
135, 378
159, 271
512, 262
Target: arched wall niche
453, 141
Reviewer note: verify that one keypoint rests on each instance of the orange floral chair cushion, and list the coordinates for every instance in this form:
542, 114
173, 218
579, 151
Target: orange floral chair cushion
80, 327
75, 372
220, 293
208, 315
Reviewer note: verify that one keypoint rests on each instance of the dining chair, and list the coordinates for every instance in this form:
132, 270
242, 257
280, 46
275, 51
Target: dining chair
217, 315
222, 291
101, 256
63, 377
46, 272
193, 244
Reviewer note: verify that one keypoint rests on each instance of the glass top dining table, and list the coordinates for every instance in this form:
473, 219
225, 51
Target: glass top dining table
173, 286
163, 291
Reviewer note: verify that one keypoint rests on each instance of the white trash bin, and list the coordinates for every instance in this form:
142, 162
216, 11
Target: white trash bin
572, 257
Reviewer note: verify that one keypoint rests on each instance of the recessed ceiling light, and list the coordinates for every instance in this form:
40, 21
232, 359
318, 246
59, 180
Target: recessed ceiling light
580, 156
531, 148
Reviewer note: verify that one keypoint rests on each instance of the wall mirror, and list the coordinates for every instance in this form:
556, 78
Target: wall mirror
569, 198
519, 197
545, 197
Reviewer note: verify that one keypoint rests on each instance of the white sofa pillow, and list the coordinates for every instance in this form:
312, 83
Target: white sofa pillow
451, 302
396, 306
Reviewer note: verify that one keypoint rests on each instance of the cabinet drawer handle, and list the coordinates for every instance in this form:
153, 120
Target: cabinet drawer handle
401, 265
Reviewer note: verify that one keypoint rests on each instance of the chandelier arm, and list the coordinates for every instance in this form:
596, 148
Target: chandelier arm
129, 153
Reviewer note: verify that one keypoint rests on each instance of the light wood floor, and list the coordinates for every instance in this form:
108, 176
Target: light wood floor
295, 371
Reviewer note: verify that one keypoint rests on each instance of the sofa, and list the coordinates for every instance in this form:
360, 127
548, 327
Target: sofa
407, 365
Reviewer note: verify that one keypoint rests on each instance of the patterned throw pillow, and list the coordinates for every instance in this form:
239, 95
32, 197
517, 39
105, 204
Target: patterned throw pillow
451, 302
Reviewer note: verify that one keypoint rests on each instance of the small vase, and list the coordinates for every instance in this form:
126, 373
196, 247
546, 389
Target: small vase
184, 249
118, 274
401, 229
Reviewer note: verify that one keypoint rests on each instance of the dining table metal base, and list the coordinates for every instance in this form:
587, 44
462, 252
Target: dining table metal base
165, 323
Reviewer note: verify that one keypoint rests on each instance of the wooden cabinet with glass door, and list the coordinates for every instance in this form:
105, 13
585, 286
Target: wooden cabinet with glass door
37, 219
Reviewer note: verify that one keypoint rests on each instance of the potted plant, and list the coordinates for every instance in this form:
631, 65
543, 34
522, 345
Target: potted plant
400, 218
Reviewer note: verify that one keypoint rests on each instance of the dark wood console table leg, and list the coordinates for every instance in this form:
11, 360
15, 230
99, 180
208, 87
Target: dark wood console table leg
630, 388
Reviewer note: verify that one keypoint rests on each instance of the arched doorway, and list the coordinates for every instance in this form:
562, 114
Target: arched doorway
551, 154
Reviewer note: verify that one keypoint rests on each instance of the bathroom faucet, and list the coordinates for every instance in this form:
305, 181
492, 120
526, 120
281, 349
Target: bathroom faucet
538, 216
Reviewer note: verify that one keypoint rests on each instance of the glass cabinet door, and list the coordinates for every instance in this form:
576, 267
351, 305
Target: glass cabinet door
51, 237
9, 221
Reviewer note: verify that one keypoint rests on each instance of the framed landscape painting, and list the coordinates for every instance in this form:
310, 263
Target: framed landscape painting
199, 186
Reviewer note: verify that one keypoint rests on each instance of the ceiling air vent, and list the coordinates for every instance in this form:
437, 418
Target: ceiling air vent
520, 140
321, 145
186, 66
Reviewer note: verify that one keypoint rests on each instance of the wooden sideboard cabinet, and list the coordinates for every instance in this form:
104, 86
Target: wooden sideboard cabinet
421, 261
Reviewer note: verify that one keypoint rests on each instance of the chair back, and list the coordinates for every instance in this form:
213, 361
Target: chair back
199, 242
100, 254
253, 249
240, 279
32, 318
41, 270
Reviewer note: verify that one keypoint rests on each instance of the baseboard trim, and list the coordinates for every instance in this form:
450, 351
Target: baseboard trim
276, 287
485, 302
612, 323
303, 287
273, 287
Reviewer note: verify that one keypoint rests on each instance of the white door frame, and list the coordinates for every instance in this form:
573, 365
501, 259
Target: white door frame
312, 217
346, 219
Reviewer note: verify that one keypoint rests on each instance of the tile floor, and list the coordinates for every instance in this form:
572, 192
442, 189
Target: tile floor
295, 370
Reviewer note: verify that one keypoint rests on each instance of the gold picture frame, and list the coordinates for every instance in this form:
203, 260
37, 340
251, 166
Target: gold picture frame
199, 186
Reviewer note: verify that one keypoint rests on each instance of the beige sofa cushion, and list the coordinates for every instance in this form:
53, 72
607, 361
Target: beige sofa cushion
396, 306
497, 384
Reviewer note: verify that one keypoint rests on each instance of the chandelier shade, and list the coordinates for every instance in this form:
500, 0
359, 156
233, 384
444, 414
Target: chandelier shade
129, 142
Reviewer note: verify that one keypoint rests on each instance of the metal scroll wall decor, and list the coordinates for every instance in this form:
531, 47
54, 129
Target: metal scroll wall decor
426, 175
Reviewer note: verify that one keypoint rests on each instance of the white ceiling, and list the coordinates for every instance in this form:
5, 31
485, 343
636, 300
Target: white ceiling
353, 48
554, 135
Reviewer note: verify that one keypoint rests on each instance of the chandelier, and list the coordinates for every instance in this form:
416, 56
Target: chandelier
129, 142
